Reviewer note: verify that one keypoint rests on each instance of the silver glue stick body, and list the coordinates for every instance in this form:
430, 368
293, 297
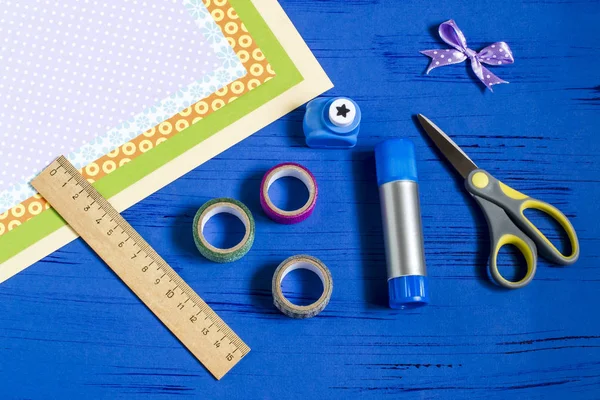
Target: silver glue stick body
401, 217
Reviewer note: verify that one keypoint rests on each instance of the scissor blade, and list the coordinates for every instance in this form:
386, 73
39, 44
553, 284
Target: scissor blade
459, 160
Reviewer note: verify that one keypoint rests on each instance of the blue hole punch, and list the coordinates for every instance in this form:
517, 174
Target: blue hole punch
332, 123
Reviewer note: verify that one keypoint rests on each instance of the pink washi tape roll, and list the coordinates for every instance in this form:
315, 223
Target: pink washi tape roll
281, 171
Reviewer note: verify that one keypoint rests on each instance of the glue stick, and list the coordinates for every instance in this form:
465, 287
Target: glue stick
401, 216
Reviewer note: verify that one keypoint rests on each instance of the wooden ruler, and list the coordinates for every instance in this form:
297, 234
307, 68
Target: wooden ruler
190, 319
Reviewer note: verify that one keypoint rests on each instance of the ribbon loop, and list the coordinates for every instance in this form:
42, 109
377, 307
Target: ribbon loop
498, 53
451, 34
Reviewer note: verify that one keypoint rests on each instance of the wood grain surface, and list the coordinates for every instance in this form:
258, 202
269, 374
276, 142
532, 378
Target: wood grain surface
69, 328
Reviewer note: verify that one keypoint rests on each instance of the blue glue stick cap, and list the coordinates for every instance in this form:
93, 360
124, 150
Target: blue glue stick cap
397, 178
395, 161
408, 291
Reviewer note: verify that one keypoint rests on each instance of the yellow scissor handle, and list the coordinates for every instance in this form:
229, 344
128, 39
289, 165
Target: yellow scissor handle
545, 246
514, 203
504, 232
525, 249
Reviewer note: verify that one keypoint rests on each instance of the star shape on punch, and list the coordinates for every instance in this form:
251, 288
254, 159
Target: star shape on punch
342, 111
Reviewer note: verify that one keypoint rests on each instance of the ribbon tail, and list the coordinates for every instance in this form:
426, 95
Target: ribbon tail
442, 57
432, 64
490, 79
485, 75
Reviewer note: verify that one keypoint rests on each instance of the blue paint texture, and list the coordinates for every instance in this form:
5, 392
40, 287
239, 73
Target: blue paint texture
69, 328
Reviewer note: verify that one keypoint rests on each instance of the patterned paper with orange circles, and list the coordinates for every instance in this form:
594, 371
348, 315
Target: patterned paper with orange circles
259, 71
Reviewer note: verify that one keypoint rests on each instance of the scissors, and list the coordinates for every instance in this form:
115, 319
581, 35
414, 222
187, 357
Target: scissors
504, 208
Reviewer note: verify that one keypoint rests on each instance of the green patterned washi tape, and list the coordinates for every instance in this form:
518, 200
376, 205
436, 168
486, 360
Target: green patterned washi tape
218, 206
302, 262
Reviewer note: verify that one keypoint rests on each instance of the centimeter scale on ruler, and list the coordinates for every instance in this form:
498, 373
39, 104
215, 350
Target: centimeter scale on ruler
190, 319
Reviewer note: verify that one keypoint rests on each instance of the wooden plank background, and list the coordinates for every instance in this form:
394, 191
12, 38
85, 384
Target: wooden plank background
70, 329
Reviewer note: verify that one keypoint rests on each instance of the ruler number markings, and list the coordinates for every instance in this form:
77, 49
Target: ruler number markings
169, 290
158, 280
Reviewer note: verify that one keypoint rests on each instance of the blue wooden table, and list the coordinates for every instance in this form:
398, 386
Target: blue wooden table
70, 329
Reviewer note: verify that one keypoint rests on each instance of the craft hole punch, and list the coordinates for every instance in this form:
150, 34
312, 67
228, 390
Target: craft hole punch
332, 123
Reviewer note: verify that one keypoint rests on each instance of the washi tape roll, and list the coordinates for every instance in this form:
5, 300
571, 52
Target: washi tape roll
218, 206
281, 171
302, 262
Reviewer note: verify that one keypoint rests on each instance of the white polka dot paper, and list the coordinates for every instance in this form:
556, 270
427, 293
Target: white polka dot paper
81, 77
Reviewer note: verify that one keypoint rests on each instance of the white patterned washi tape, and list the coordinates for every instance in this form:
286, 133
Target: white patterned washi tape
302, 262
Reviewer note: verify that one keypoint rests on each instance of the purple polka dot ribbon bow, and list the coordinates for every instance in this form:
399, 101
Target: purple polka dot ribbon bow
496, 54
